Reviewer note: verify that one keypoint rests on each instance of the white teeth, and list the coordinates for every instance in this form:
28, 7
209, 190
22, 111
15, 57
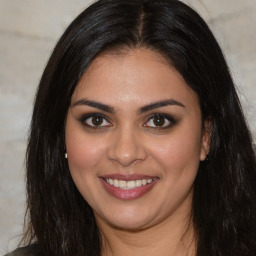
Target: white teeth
138, 183
115, 183
131, 184
121, 184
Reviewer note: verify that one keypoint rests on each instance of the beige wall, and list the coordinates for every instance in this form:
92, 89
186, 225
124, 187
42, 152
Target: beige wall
28, 32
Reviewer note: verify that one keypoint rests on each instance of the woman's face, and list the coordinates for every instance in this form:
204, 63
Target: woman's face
134, 140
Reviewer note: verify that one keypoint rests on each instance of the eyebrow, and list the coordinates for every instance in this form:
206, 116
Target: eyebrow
94, 104
109, 109
160, 104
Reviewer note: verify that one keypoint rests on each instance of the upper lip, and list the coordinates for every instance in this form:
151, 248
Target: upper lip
127, 177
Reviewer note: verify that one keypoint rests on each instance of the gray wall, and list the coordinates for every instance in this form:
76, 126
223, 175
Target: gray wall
28, 32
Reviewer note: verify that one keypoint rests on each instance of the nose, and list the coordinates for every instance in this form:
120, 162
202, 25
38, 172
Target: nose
127, 148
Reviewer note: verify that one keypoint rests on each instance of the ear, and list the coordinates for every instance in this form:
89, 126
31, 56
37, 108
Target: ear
206, 139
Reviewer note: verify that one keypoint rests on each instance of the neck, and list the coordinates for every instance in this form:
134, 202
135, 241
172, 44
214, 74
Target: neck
171, 237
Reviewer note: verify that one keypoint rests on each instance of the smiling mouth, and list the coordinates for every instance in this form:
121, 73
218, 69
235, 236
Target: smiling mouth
128, 187
131, 184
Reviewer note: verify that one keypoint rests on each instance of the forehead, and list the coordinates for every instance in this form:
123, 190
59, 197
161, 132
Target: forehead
135, 76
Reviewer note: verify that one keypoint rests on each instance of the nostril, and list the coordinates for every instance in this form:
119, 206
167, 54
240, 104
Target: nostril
127, 157
126, 148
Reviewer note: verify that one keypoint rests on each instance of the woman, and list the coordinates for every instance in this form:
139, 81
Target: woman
138, 144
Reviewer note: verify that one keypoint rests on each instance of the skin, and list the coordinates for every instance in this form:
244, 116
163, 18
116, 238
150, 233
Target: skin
127, 141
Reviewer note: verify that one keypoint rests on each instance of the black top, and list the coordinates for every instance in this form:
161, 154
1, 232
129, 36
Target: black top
31, 250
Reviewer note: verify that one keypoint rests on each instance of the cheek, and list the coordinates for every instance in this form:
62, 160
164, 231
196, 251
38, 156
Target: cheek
84, 153
180, 153
84, 160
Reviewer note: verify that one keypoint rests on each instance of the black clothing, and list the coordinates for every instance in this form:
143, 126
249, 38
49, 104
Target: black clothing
31, 250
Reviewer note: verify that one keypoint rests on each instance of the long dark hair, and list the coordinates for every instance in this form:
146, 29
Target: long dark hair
224, 205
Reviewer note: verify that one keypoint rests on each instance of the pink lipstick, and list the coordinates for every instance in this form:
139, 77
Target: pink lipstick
128, 187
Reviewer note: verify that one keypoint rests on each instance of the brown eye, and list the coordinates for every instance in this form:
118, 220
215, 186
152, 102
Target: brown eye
96, 121
160, 121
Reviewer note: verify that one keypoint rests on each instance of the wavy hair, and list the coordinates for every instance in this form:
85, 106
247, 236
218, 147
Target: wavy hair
59, 220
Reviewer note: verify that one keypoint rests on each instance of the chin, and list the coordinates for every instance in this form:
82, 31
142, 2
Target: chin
129, 220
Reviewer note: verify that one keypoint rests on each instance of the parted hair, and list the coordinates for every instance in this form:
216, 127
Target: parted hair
59, 220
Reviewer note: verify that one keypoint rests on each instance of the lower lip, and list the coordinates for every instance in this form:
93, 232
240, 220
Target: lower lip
128, 194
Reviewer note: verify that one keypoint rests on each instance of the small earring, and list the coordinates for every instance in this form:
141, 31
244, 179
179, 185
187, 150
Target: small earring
66, 155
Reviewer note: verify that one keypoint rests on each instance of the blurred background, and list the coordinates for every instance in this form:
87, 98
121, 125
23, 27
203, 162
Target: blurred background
29, 30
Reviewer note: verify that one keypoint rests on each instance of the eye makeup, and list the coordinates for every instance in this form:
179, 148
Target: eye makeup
94, 121
157, 121
160, 121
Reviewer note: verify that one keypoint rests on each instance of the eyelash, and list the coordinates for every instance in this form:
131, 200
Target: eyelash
86, 117
168, 118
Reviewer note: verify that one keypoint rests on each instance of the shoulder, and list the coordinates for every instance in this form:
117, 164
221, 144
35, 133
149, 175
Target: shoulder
31, 250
